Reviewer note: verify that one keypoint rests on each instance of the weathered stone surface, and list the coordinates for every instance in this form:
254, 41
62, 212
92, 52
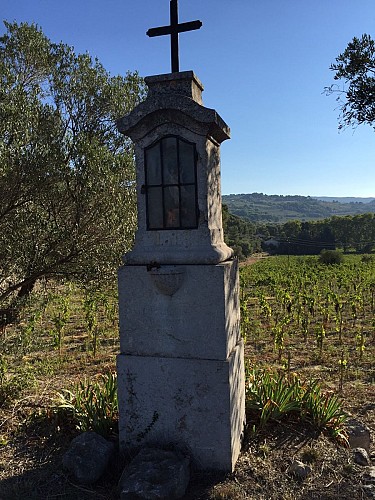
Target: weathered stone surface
199, 320
358, 434
155, 474
88, 457
180, 92
360, 456
196, 403
299, 469
188, 85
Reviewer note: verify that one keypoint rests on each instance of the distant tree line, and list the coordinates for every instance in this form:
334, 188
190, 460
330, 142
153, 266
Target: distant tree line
349, 233
240, 234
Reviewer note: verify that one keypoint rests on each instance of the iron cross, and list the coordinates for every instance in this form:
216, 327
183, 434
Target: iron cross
174, 29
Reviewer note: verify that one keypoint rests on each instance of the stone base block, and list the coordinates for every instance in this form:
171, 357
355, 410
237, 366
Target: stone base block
193, 404
185, 311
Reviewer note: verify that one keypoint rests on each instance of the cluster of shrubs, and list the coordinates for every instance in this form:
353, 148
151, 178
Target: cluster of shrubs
331, 257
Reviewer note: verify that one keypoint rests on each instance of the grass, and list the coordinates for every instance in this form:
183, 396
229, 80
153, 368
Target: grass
272, 396
35, 367
91, 406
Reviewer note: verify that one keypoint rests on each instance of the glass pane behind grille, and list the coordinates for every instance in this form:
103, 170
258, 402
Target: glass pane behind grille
155, 208
188, 207
172, 206
187, 163
153, 165
170, 162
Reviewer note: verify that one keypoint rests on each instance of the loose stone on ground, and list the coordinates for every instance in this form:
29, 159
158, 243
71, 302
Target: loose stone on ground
88, 457
299, 469
360, 456
358, 434
155, 474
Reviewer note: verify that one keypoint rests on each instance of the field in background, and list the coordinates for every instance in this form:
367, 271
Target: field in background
297, 316
306, 316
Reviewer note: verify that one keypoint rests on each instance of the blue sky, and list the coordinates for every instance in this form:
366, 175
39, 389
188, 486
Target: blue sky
264, 65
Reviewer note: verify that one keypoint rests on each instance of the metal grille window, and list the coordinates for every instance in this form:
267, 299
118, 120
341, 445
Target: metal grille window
171, 184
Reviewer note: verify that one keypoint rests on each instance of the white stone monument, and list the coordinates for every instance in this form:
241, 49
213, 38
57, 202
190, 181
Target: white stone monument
180, 370
181, 366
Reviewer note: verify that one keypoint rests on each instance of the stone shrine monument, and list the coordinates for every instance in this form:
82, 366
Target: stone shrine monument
181, 368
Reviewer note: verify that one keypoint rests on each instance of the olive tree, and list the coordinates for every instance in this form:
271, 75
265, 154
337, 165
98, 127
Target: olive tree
67, 180
355, 69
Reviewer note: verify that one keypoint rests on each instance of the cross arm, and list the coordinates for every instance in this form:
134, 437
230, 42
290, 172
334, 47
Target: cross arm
180, 28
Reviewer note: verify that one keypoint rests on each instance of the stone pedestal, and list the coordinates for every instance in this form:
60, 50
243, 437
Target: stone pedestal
181, 361
195, 405
179, 311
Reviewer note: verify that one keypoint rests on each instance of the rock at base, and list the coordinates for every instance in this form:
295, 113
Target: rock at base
360, 456
155, 474
299, 469
358, 434
87, 457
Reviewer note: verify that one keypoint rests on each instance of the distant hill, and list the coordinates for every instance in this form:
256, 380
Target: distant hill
259, 207
350, 199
